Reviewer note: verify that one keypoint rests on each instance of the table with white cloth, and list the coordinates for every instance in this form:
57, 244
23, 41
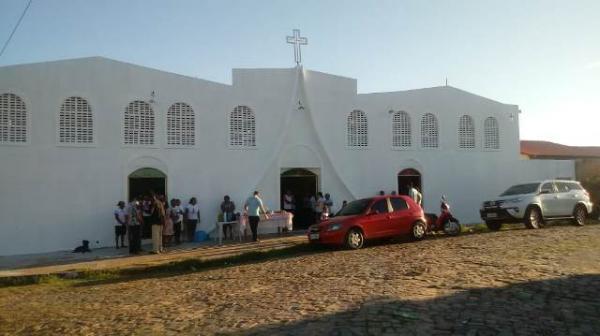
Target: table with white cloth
278, 222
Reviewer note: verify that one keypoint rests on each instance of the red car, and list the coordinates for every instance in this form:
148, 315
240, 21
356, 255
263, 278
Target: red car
375, 217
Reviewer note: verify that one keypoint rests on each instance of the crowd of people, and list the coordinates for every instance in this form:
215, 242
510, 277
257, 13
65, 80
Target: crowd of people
152, 215
168, 222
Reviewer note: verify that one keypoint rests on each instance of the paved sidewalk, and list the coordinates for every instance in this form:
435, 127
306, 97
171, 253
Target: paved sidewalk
111, 258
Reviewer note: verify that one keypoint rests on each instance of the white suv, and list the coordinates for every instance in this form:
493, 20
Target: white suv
537, 202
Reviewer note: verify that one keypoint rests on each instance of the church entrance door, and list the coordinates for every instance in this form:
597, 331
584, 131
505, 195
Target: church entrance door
303, 184
406, 177
143, 182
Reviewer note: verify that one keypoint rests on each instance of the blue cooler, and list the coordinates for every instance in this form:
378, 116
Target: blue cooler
200, 236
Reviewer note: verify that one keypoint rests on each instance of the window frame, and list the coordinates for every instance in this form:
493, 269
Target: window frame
464, 133
195, 129
91, 104
485, 135
421, 129
28, 118
347, 131
156, 116
230, 133
410, 131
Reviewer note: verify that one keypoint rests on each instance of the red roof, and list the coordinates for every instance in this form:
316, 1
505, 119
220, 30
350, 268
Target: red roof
551, 149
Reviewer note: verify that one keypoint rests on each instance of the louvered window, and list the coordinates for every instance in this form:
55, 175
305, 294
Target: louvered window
242, 127
466, 132
75, 122
401, 134
181, 126
358, 135
429, 131
138, 124
491, 133
13, 119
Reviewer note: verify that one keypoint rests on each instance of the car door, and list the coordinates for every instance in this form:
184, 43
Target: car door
402, 217
549, 200
567, 198
376, 221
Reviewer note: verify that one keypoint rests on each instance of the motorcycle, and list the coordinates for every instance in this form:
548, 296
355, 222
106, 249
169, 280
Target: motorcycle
445, 222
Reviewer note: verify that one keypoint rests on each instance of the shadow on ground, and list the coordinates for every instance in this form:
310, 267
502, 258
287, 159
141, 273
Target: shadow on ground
562, 306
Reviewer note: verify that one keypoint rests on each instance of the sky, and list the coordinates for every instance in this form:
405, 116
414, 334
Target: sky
542, 55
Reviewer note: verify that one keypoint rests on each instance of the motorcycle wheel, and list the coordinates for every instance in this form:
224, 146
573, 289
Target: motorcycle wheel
452, 227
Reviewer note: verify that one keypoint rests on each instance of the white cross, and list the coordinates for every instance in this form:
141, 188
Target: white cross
297, 41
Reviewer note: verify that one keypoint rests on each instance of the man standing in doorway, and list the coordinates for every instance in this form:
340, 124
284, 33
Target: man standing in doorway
192, 217
253, 206
134, 226
415, 195
121, 225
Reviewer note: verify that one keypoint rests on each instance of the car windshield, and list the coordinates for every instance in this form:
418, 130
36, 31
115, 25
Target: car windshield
520, 189
354, 207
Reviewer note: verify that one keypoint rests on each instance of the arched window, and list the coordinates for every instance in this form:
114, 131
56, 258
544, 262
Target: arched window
466, 132
491, 133
401, 134
13, 119
429, 131
358, 135
242, 127
75, 122
181, 125
138, 124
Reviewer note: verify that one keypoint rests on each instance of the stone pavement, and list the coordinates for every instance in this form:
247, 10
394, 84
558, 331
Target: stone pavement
513, 282
111, 258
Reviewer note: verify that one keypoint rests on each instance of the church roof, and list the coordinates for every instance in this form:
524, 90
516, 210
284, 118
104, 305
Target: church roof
554, 150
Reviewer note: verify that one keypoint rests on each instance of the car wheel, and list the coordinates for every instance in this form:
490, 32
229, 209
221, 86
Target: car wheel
533, 218
452, 227
355, 239
579, 215
418, 230
493, 226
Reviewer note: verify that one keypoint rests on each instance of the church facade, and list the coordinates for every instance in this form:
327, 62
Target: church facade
76, 136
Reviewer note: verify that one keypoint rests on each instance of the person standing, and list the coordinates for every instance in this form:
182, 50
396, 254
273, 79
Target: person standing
157, 227
176, 216
228, 210
329, 204
319, 206
253, 206
289, 202
167, 226
192, 217
148, 214
121, 226
134, 223
415, 195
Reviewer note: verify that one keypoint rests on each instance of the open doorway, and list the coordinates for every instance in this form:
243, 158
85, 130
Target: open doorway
303, 184
407, 177
143, 182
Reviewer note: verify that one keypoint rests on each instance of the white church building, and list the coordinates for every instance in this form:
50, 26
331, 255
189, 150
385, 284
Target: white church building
76, 136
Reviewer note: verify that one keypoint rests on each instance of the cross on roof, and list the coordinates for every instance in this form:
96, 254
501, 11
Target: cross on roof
297, 41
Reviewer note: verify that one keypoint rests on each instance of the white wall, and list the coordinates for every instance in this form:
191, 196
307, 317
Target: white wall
53, 196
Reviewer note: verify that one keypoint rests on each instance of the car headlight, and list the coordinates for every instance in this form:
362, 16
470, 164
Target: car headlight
514, 200
334, 227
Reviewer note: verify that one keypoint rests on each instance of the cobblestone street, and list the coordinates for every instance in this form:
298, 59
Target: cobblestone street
523, 282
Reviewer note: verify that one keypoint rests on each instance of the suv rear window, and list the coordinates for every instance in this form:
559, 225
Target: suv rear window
568, 186
519, 189
398, 204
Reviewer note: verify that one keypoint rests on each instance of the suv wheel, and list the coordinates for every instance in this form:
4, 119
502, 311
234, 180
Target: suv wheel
579, 215
354, 239
533, 218
493, 226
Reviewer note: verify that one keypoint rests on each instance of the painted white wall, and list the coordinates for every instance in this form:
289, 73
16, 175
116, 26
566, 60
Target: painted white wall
53, 196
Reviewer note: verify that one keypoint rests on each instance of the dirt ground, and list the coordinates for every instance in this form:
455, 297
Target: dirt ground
521, 282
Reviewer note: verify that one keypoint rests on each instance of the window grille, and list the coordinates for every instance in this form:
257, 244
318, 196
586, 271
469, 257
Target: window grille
357, 129
75, 122
466, 132
429, 131
138, 124
491, 133
242, 127
181, 125
13, 119
401, 133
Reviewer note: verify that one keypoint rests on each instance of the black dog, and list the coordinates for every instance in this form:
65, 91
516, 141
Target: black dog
85, 247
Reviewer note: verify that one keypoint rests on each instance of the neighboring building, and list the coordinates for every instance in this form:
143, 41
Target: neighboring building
78, 135
587, 161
